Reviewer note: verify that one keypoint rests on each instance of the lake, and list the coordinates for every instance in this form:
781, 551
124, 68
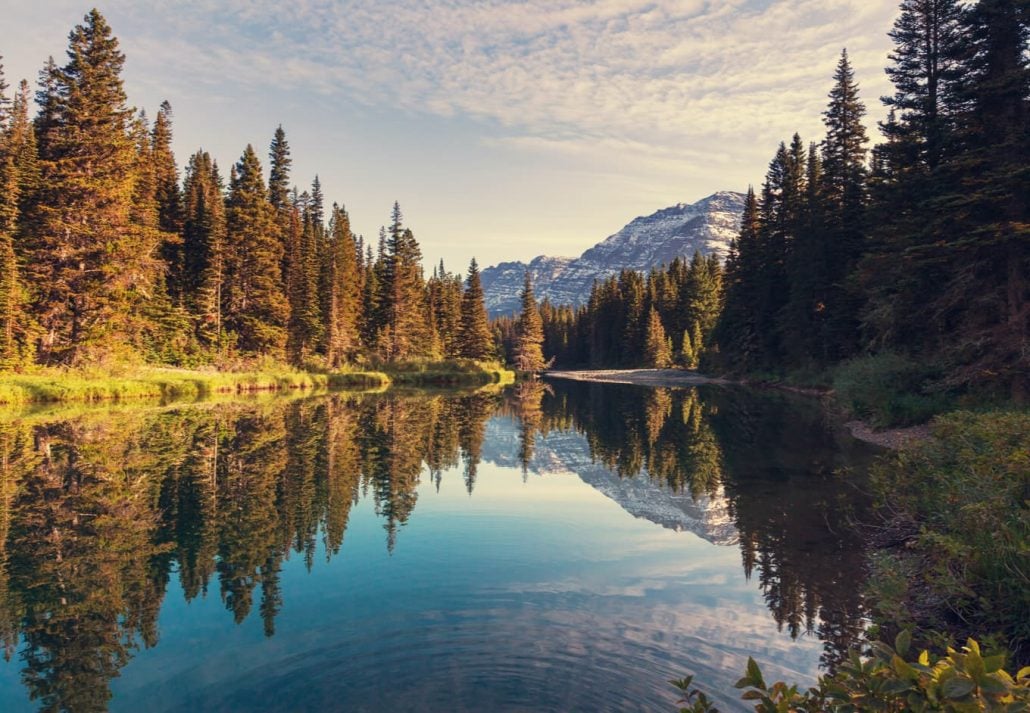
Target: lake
556, 546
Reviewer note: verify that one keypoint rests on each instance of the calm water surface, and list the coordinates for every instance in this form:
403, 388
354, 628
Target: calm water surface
555, 547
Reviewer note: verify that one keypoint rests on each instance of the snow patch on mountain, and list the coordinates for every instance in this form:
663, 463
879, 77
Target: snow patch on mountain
706, 226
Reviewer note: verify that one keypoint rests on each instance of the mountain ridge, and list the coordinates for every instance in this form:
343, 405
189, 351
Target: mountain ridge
706, 226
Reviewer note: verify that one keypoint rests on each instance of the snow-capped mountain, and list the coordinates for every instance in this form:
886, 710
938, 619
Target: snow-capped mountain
706, 226
708, 517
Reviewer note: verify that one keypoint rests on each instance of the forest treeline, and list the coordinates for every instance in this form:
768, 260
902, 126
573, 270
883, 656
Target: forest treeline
105, 255
917, 247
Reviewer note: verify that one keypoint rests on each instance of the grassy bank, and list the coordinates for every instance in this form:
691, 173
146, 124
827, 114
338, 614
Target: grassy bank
54, 385
453, 372
45, 386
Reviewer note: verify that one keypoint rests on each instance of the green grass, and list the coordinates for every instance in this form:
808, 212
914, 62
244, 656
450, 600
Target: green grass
54, 385
452, 372
46, 386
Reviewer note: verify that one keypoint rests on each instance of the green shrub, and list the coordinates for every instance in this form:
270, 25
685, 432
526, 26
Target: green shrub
957, 682
888, 389
960, 505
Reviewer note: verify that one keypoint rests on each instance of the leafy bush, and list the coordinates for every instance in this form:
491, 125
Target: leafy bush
958, 682
959, 509
888, 389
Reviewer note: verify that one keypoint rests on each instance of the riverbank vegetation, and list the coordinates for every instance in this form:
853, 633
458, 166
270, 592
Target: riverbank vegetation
55, 385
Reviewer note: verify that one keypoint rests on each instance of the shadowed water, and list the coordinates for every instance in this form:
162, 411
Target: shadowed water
559, 546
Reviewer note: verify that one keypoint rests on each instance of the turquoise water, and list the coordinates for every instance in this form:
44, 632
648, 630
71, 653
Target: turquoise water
551, 548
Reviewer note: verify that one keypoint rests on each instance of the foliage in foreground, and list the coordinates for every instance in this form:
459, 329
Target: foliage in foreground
960, 681
958, 510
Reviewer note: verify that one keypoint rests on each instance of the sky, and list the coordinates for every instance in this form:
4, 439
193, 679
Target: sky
506, 129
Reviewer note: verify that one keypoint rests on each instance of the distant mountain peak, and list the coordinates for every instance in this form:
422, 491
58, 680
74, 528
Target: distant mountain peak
705, 226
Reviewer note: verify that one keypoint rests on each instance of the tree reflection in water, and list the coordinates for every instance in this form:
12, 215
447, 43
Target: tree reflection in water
98, 511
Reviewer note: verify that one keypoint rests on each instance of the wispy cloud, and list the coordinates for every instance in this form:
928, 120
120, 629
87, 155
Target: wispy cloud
685, 74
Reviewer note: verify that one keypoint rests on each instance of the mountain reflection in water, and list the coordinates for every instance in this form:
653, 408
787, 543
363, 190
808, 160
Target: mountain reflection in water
133, 542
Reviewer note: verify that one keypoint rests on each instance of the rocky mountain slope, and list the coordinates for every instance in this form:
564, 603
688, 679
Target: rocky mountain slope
567, 451
706, 226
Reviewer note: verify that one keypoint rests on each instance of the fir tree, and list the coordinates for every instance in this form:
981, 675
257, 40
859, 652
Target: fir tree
476, 339
844, 194
256, 308
925, 69
279, 192
344, 312
204, 247
736, 328
168, 198
404, 325
657, 346
303, 272
529, 355
92, 273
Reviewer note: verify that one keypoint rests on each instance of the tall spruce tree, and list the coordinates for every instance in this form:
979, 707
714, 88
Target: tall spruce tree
306, 240
92, 273
985, 216
344, 313
657, 345
204, 247
256, 308
736, 331
404, 327
475, 337
845, 195
168, 199
529, 355
18, 182
925, 69
280, 162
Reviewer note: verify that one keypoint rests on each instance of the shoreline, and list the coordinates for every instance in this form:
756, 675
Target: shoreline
641, 377
53, 386
889, 438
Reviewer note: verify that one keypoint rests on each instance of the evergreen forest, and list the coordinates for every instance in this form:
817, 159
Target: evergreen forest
109, 255
913, 252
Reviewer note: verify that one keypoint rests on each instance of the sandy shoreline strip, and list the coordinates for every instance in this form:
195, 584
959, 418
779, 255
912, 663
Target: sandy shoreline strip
644, 377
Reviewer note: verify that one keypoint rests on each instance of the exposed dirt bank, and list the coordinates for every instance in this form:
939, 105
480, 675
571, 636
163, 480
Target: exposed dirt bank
893, 438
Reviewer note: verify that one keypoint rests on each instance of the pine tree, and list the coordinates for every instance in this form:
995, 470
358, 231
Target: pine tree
203, 274
404, 325
13, 347
166, 331
802, 322
925, 69
476, 338
657, 346
4, 100
256, 308
91, 272
344, 311
168, 198
529, 355
279, 192
369, 324
305, 240
735, 330
985, 210
844, 193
